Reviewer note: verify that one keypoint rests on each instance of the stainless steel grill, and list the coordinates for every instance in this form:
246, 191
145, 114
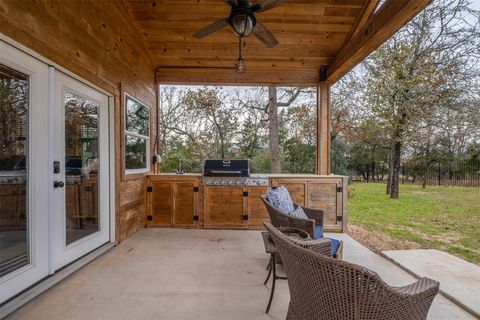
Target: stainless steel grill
230, 173
226, 168
236, 181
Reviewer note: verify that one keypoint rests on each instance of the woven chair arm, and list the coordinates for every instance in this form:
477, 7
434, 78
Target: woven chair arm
322, 246
424, 286
307, 225
315, 214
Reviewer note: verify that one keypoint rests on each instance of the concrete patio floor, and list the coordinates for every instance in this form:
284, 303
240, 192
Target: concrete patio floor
459, 279
191, 274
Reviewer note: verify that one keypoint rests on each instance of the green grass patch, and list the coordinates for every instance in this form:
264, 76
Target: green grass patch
444, 218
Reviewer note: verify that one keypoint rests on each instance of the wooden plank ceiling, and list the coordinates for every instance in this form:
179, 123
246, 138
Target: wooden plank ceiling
311, 33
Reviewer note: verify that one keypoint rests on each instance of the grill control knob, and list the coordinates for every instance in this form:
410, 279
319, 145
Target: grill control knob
222, 182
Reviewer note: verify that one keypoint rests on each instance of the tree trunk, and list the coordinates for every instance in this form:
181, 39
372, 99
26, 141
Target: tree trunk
275, 161
390, 170
397, 150
368, 173
363, 175
373, 171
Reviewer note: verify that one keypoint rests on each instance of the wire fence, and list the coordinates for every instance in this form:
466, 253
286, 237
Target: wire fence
454, 173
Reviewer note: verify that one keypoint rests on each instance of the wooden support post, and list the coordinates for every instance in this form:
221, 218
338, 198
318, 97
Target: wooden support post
323, 128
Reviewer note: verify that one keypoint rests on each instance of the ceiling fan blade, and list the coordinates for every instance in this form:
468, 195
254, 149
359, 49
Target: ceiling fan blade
269, 4
211, 28
264, 35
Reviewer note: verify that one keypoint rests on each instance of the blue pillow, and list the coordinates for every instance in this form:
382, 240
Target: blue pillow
318, 231
335, 246
280, 199
299, 213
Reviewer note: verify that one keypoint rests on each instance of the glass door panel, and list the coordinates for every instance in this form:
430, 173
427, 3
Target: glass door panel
81, 197
14, 105
81, 166
24, 183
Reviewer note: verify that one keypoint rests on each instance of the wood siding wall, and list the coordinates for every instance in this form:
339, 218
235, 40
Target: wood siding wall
95, 40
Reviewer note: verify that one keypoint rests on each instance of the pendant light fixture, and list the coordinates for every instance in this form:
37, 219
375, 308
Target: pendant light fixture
240, 65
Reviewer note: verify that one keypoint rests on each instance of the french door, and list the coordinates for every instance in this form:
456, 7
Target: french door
54, 170
24, 187
80, 206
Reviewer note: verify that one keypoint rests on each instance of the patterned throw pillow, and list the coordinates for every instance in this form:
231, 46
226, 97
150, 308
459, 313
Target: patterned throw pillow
299, 213
280, 199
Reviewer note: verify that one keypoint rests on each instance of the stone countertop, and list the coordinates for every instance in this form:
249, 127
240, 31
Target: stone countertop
268, 175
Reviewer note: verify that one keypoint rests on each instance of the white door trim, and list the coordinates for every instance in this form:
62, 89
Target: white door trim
37, 162
61, 252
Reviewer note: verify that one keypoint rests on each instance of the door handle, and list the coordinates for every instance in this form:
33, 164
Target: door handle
58, 184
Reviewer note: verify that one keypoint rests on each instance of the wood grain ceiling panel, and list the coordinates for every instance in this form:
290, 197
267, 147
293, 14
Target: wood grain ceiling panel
310, 34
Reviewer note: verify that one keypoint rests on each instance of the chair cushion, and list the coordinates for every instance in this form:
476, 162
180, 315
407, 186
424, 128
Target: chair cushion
335, 246
318, 231
280, 199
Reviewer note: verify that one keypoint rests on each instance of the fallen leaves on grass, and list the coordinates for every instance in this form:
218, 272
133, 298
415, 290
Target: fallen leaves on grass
378, 241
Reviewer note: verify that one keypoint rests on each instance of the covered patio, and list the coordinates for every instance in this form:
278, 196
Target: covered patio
119, 52
200, 274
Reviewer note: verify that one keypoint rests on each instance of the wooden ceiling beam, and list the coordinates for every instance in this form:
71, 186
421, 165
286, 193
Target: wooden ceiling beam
388, 19
228, 76
367, 11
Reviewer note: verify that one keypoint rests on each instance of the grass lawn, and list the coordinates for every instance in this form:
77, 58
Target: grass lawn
443, 218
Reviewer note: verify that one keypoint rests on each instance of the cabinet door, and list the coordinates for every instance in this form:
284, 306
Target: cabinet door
185, 203
161, 204
297, 189
324, 195
224, 207
257, 212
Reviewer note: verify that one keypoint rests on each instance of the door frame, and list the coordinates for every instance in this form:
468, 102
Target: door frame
37, 205
112, 139
61, 253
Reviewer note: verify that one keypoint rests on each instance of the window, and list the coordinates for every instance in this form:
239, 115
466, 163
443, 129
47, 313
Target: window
137, 136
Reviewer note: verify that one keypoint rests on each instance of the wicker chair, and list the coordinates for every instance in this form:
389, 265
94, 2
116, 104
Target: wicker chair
313, 225
325, 288
279, 219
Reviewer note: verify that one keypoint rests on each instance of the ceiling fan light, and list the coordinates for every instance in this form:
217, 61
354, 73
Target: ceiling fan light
243, 24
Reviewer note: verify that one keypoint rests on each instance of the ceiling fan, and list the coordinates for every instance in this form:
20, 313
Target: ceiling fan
243, 22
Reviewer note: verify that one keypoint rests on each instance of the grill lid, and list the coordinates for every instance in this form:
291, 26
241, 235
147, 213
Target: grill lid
226, 168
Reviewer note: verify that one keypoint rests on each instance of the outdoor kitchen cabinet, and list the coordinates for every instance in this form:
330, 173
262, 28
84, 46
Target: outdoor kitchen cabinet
235, 207
257, 212
323, 192
174, 201
184, 201
225, 207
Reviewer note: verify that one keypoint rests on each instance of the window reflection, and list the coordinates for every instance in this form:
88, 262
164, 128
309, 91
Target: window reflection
81, 166
135, 152
137, 118
14, 102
